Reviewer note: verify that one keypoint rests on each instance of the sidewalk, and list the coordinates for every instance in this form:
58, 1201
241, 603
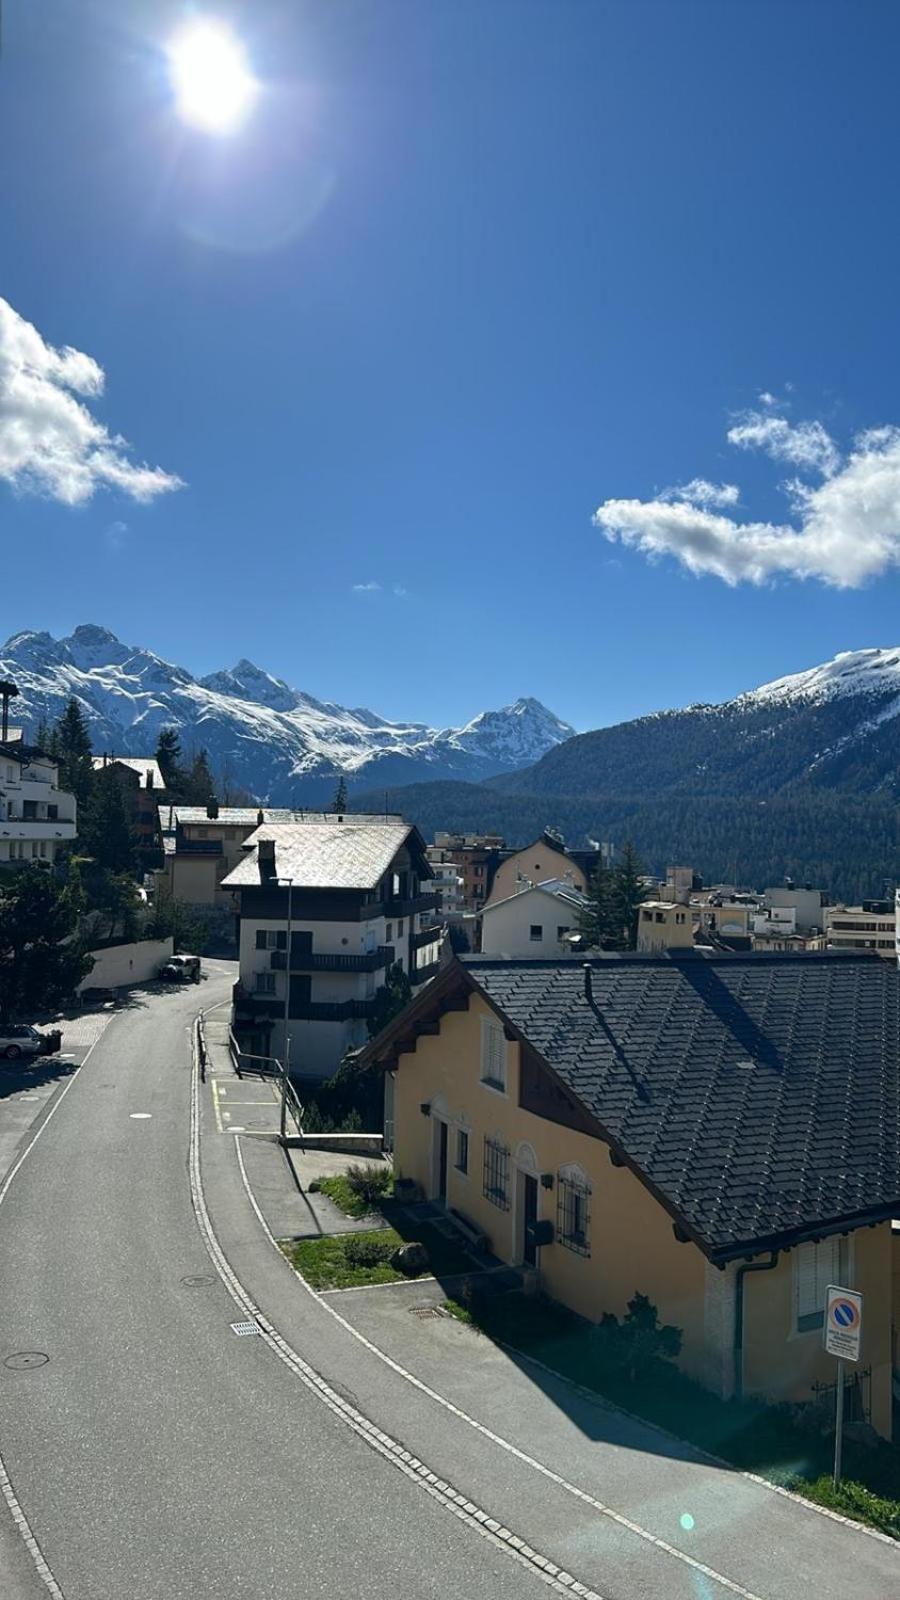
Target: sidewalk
280, 1179
625, 1507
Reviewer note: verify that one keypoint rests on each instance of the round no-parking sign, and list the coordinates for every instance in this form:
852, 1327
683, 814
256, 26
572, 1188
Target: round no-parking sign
843, 1322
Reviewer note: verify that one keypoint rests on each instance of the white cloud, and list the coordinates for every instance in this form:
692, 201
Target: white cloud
700, 492
845, 530
366, 588
117, 535
50, 443
400, 592
805, 445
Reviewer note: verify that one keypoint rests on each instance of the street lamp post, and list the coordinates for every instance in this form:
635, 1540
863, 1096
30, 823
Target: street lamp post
286, 1062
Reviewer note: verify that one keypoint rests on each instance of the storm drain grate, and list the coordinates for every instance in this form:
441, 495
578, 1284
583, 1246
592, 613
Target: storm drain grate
24, 1360
426, 1311
242, 1329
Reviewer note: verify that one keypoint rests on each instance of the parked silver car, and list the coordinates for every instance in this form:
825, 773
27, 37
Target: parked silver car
19, 1039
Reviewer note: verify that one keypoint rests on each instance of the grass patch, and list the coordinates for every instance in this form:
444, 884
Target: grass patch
780, 1442
350, 1260
358, 1200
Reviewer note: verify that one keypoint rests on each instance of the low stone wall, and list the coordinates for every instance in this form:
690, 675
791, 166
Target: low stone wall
119, 965
354, 1144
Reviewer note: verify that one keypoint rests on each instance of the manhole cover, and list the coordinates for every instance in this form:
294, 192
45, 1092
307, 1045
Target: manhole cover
242, 1329
198, 1280
425, 1311
24, 1360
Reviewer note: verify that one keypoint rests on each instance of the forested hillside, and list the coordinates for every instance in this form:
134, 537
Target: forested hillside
845, 844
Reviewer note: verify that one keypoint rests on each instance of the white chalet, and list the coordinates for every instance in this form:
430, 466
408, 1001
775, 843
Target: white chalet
36, 816
326, 905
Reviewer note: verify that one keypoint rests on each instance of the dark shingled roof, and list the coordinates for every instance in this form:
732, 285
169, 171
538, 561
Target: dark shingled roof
757, 1096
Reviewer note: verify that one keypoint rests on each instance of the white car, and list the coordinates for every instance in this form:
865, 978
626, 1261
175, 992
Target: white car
18, 1039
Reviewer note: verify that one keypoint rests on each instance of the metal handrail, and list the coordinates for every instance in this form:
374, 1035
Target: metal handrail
270, 1067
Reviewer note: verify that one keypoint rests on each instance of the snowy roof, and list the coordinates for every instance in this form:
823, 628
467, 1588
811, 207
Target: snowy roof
248, 816
325, 854
557, 887
139, 764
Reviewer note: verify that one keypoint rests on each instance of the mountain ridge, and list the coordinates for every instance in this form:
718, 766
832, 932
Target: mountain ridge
281, 744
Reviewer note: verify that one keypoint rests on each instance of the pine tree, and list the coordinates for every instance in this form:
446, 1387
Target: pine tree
41, 959
105, 831
339, 803
597, 919
627, 892
199, 788
168, 756
73, 749
390, 999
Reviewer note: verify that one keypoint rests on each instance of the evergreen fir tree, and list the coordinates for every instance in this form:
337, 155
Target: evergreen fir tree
339, 804
76, 772
168, 756
627, 892
199, 788
41, 959
597, 920
105, 830
390, 999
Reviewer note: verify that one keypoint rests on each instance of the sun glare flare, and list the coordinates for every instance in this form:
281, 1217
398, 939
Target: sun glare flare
214, 87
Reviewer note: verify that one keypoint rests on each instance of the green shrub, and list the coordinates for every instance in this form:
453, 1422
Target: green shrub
368, 1250
369, 1184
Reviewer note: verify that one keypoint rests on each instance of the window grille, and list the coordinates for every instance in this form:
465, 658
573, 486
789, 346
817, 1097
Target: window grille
573, 1214
496, 1173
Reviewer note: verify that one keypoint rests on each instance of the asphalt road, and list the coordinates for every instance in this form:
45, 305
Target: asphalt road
155, 1453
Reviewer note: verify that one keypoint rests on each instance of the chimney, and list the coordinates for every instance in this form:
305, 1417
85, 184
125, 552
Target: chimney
265, 855
148, 778
588, 984
260, 819
212, 809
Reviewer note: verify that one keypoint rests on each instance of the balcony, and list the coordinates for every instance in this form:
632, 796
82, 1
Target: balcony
255, 1007
198, 847
431, 935
424, 974
365, 961
37, 828
399, 908
331, 1010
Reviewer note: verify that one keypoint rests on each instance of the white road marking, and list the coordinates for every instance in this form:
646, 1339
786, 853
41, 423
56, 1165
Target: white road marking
140, 1116
6, 1487
496, 1438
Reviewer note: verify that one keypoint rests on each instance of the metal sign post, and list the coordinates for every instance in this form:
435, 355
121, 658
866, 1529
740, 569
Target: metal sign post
843, 1334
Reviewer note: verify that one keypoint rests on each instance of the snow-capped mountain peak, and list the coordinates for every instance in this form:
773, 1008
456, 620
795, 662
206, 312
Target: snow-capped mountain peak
274, 740
851, 672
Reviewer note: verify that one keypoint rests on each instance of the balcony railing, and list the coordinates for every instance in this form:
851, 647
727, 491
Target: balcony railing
430, 935
399, 908
331, 1010
422, 974
337, 961
198, 847
37, 828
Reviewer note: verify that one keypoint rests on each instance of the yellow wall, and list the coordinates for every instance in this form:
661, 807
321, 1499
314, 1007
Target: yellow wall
539, 862
768, 1325
632, 1243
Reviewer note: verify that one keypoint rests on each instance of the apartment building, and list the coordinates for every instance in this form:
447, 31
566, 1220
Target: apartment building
534, 921
447, 886
203, 844
327, 904
870, 926
476, 857
546, 858
664, 925
36, 816
142, 784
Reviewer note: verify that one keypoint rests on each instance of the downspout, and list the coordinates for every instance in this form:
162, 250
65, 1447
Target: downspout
747, 1266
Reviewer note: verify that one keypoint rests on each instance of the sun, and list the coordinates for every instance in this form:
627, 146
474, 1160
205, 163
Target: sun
214, 87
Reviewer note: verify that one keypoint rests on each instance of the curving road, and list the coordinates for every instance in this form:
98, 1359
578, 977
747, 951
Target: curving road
156, 1453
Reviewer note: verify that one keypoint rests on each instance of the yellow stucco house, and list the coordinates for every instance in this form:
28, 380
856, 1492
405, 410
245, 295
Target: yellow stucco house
718, 1132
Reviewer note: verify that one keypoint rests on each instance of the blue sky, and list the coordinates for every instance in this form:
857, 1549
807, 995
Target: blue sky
471, 270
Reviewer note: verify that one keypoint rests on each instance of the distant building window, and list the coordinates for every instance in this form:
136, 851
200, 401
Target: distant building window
816, 1265
496, 1173
679, 917
388, 932
493, 1054
462, 1150
562, 930
536, 933
271, 939
265, 983
400, 929
478, 871
646, 916
660, 916
573, 1213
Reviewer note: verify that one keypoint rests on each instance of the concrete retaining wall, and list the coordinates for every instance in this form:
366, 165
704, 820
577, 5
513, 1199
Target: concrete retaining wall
123, 964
